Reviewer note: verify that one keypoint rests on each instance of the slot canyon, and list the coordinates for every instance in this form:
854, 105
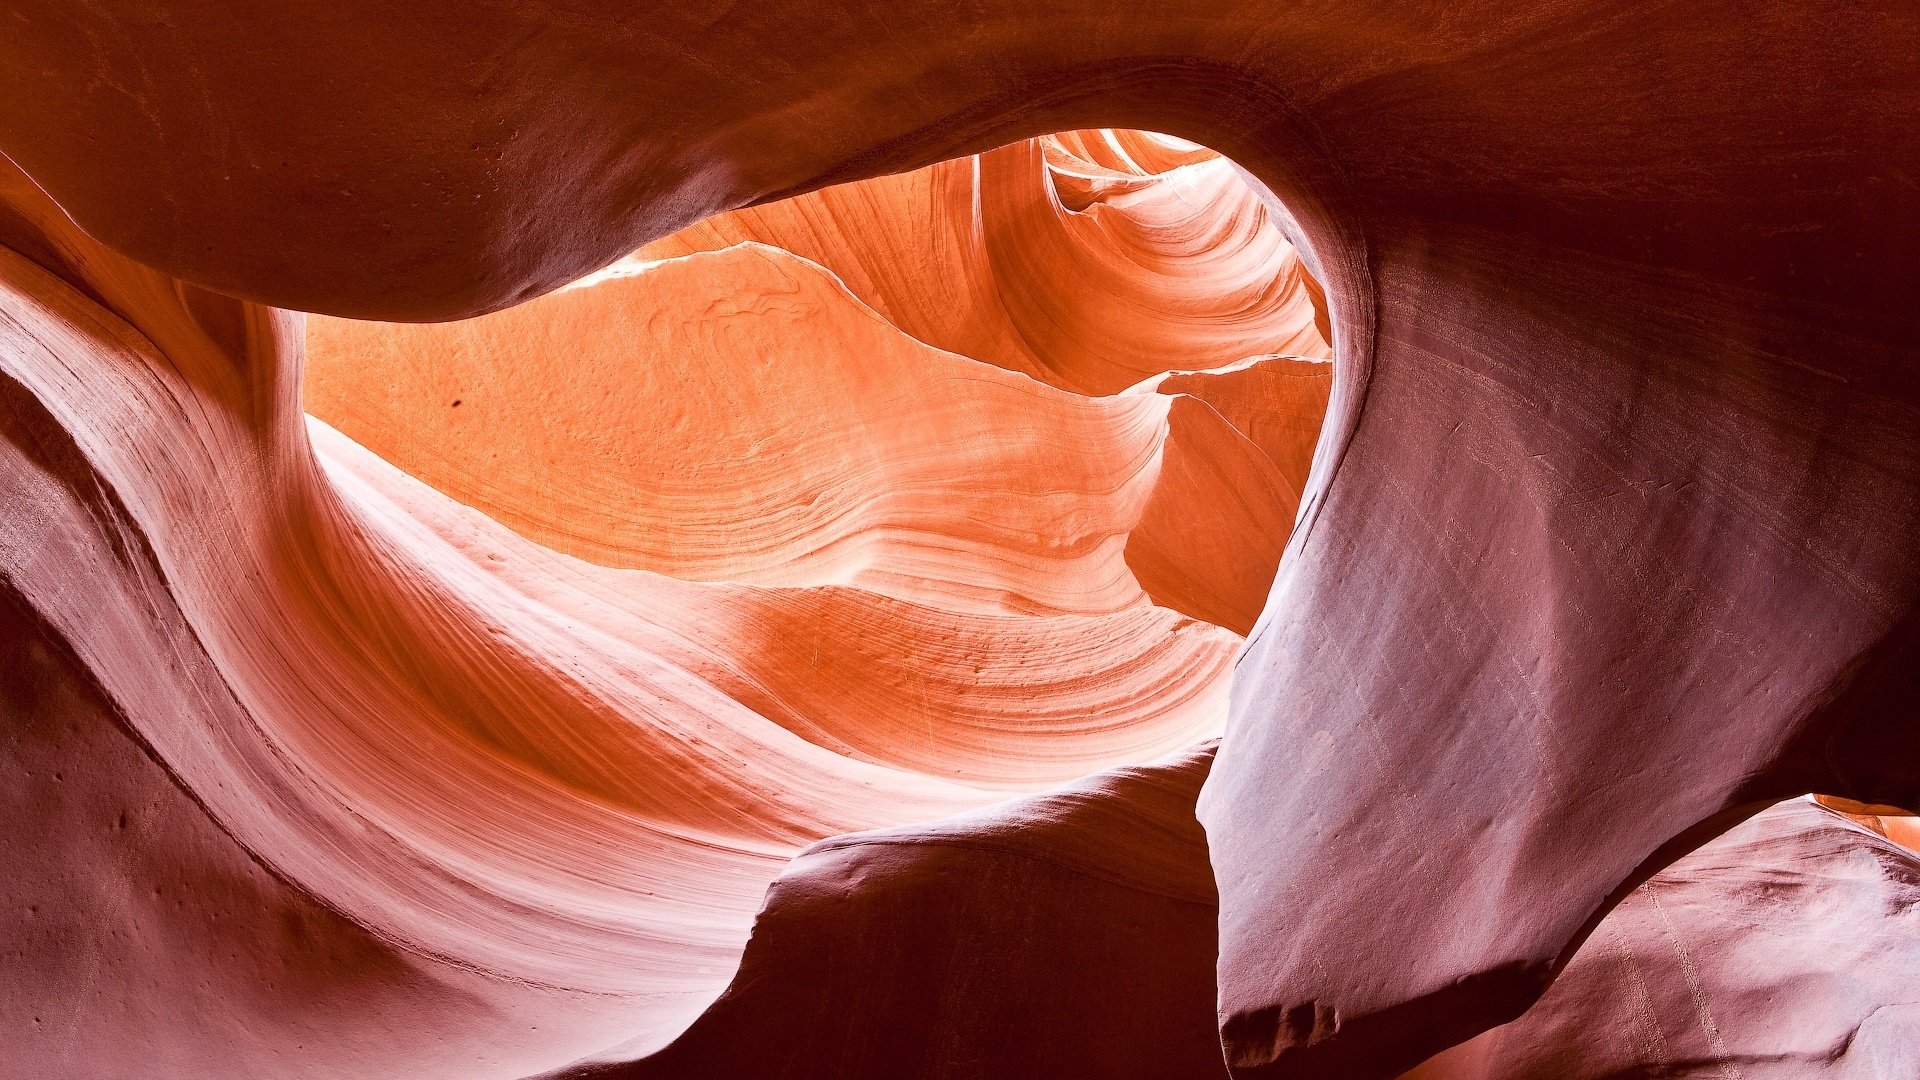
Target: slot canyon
960, 541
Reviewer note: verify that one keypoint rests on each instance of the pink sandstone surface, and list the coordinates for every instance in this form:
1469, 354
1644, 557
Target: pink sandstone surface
929, 512
778, 571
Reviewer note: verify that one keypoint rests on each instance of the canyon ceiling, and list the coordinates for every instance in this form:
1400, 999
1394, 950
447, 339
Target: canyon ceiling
561, 538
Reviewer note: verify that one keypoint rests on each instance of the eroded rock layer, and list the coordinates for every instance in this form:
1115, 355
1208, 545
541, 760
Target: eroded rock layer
776, 570
1783, 949
1608, 543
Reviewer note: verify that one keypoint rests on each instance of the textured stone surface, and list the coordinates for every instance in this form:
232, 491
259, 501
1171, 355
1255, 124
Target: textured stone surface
418, 796
1783, 949
1068, 934
1610, 541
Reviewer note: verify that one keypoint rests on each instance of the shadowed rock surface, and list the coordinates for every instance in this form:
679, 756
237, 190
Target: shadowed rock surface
1607, 543
524, 805
1069, 934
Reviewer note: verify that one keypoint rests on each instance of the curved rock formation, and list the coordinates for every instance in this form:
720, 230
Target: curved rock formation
1058, 951
802, 574
1607, 546
1089, 260
737, 416
1785, 948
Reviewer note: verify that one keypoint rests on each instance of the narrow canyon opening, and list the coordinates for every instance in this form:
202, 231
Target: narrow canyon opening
878, 634
956, 449
858, 510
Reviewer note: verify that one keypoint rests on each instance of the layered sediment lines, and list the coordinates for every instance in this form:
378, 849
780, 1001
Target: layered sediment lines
1090, 261
738, 416
1607, 546
1071, 932
1782, 949
621, 599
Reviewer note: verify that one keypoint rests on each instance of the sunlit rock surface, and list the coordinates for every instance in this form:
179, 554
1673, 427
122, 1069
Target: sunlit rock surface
1606, 545
741, 565
1089, 261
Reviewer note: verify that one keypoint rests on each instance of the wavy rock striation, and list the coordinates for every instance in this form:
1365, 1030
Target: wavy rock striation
1608, 543
777, 570
1071, 933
